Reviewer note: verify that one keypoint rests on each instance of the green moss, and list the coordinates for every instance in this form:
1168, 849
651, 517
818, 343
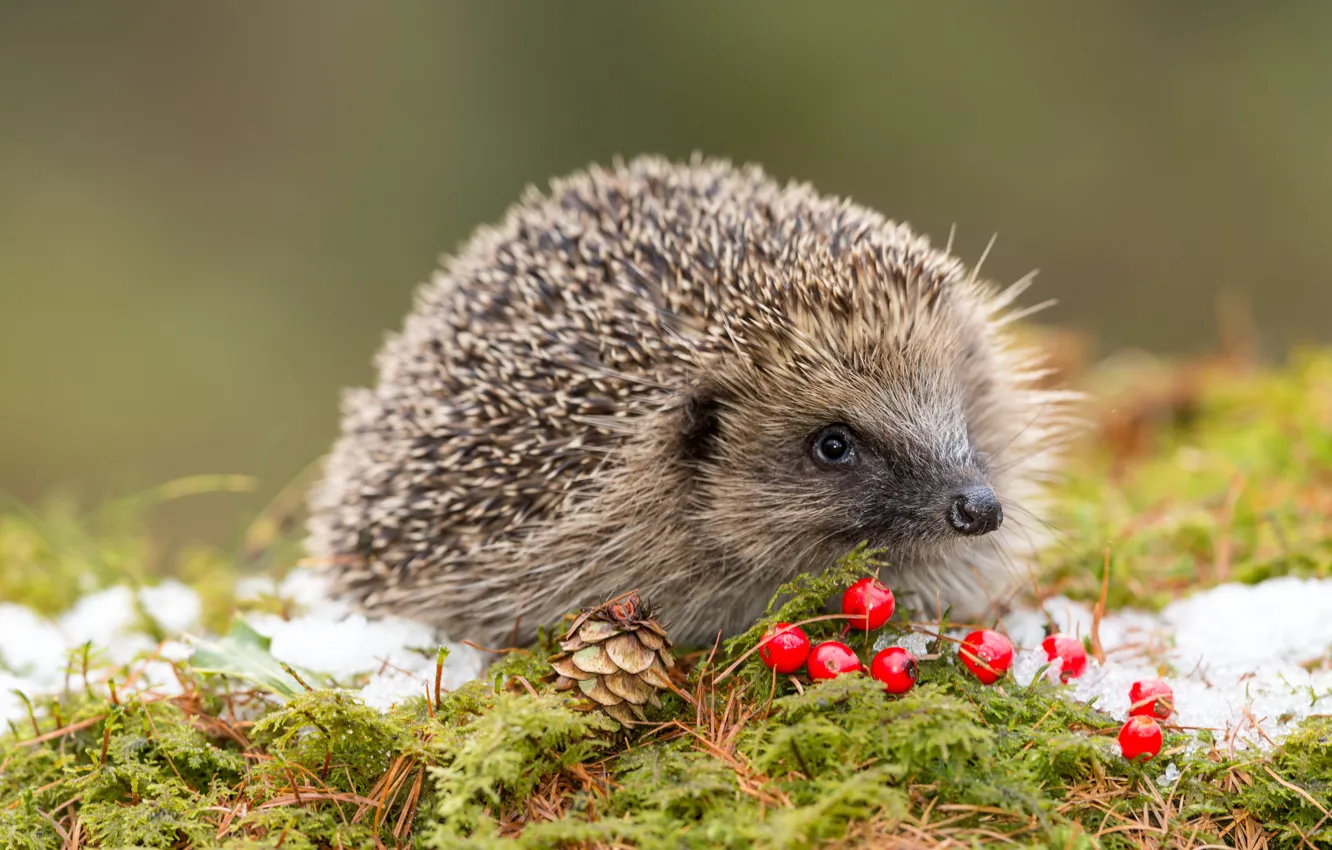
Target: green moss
331, 735
1238, 492
161, 814
23, 828
499, 756
250, 755
1293, 793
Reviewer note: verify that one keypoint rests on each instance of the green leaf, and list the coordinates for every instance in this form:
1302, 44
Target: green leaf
244, 654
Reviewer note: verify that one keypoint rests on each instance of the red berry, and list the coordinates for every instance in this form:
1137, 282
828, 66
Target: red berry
870, 604
1151, 698
1141, 736
1071, 653
830, 659
785, 648
896, 668
987, 654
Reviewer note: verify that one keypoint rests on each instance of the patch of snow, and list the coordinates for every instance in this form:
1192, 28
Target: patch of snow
253, 587
399, 653
916, 643
341, 647
328, 637
32, 658
173, 605
28, 643
1232, 655
325, 637
37, 651
310, 589
104, 616
1027, 662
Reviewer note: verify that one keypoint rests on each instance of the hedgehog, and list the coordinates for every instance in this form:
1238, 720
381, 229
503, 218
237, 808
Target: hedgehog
688, 379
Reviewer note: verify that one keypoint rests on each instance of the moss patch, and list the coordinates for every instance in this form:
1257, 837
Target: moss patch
1213, 474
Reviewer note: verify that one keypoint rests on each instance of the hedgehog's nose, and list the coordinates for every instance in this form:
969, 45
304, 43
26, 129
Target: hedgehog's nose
976, 511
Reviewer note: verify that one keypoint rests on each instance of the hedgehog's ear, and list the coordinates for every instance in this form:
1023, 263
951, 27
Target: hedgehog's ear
698, 422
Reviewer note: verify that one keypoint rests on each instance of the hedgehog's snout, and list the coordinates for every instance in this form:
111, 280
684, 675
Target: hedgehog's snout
976, 511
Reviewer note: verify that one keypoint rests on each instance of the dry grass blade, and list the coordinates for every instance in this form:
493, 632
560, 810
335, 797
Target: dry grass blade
303, 794
1298, 790
1098, 612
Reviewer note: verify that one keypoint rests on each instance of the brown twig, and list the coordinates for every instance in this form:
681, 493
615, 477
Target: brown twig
1099, 611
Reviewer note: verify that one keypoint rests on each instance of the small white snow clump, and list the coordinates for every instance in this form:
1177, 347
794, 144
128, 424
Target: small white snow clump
1168, 776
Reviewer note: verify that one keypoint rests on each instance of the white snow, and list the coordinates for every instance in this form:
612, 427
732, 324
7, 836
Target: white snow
1168, 776
174, 606
325, 637
329, 638
913, 642
36, 652
1232, 654
1027, 661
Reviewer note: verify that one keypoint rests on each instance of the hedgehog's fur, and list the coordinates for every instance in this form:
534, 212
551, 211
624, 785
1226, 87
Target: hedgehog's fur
616, 388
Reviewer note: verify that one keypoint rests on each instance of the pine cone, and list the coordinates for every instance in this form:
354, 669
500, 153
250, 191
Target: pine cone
617, 656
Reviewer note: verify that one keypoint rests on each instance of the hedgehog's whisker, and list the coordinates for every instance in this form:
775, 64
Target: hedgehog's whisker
1061, 537
1024, 458
1040, 411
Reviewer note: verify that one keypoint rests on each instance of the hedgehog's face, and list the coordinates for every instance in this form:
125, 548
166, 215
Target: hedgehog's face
897, 489
891, 451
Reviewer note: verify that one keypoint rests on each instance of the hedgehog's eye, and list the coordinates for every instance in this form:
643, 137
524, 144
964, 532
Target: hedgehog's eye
834, 446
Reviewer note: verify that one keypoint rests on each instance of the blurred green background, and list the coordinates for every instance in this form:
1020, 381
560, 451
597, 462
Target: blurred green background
210, 213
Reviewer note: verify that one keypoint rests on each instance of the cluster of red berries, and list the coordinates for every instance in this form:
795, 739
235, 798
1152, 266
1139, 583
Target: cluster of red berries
868, 604
1149, 700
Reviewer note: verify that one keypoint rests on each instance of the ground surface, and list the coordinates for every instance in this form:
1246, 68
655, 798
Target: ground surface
1197, 519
